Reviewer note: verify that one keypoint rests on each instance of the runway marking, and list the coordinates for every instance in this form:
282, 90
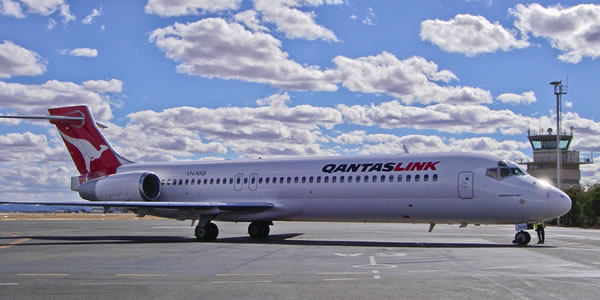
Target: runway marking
8, 283
341, 279
42, 274
141, 275
245, 281
427, 271
501, 268
9, 245
342, 273
224, 275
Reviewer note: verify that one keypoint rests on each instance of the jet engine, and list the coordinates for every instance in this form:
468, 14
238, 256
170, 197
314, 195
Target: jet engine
132, 186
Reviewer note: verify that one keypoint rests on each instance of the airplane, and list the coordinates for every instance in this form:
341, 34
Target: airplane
431, 188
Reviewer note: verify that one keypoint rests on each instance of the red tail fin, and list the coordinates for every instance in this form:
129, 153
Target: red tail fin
91, 152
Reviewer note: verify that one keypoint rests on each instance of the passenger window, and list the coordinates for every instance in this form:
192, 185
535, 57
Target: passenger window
267, 180
245, 180
295, 179
168, 181
426, 177
326, 179
357, 178
289, 180
391, 178
237, 181
253, 180
260, 180
218, 180
224, 180
212, 181
281, 179
333, 179
180, 181
374, 178
193, 181
310, 179
349, 179
230, 180
417, 177
303, 179
435, 177
174, 181
341, 179
318, 179
187, 181
366, 178
407, 178
206, 180
382, 178
399, 178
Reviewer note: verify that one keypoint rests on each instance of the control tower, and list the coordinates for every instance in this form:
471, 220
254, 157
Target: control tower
544, 161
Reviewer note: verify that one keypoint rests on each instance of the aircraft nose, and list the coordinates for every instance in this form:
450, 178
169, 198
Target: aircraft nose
560, 202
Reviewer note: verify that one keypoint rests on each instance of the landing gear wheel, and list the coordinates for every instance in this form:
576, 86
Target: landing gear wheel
259, 230
207, 233
522, 238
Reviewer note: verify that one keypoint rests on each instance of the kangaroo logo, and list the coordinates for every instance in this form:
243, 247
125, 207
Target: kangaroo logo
87, 150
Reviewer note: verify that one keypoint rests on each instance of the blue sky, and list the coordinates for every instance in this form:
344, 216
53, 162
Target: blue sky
233, 79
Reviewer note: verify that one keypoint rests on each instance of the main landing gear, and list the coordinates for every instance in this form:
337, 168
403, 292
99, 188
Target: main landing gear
210, 231
207, 233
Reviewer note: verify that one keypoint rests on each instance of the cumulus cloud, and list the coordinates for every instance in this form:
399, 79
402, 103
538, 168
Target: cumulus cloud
36, 99
293, 22
441, 117
575, 30
368, 20
85, 52
49, 7
471, 35
89, 19
169, 8
11, 8
213, 47
526, 97
411, 80
104, 86
16, 61
250, 20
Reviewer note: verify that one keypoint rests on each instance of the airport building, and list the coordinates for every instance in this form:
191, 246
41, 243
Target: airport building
544, 161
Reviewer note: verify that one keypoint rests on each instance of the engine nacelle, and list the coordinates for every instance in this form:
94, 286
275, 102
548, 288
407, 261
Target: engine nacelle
134, 186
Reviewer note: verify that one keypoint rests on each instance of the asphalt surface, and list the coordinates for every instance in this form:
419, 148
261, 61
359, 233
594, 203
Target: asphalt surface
159, 259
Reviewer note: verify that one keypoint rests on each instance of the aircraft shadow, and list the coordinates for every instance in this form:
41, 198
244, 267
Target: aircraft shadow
274, 239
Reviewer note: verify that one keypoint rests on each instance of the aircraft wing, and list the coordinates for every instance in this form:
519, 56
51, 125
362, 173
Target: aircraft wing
223, 206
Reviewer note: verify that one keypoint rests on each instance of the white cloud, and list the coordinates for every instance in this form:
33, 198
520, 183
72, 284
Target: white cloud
471, 35
104, 86
169, 8
251, 21
293, 22
86, 52
48, 7
440, 117
36, 99
235, 53
411, 80
51, 24
368, 20
16, 61
11, 8
575, 30
526, 97
89, 19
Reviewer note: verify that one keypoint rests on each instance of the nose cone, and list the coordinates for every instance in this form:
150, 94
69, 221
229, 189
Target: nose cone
560, 202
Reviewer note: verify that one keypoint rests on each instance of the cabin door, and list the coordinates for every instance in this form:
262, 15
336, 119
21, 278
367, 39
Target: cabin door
465, 185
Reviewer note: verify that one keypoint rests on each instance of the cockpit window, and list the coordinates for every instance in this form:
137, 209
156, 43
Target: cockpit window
517, 171
491, 172
504, 172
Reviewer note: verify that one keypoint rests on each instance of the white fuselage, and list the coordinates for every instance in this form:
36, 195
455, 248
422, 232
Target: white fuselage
411, 188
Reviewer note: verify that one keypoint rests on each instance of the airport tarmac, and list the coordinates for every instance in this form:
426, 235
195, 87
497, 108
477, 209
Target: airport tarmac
158, 259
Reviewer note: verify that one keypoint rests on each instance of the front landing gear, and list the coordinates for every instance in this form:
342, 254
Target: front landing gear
207, 233
522, 238
259, 230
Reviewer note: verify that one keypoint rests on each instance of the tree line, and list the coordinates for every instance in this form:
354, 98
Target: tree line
585, 209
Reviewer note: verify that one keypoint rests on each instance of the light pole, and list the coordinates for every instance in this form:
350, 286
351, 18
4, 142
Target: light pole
559, 90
